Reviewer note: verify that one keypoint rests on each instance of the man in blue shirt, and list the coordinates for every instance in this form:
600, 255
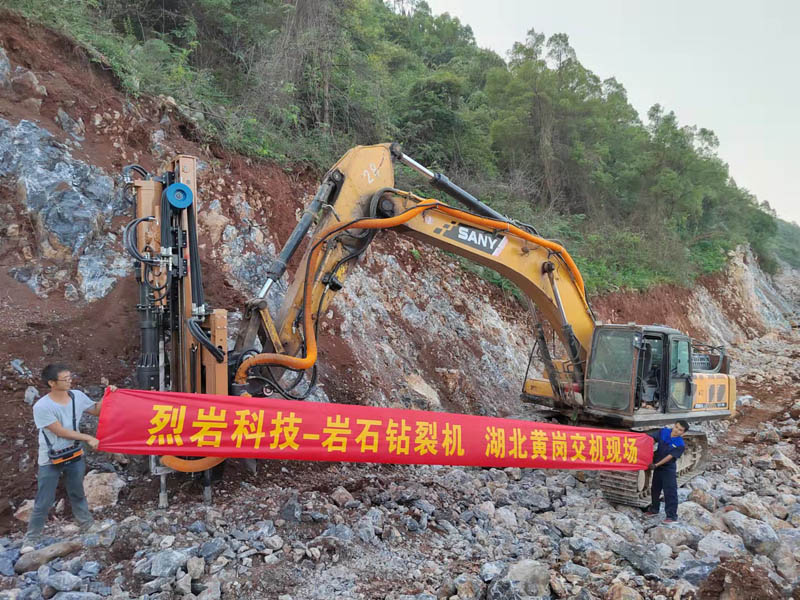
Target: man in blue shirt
670, 447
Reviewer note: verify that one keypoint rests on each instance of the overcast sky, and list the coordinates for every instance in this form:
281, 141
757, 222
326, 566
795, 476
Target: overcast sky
730, 66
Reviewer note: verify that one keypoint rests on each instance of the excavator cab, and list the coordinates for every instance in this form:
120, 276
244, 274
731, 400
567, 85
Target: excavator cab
646, 377
651, 376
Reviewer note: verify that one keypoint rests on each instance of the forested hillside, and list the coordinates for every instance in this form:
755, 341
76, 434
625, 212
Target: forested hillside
537, 135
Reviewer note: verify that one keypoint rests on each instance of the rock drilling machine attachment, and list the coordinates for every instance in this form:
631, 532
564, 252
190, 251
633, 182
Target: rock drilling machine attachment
183, 340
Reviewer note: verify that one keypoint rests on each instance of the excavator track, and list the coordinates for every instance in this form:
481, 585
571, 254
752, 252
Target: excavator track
633, 487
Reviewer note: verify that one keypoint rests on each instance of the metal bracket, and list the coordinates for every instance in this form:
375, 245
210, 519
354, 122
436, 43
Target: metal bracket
333, 210
160, 471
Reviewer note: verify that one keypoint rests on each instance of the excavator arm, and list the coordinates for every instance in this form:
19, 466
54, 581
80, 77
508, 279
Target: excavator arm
356, 199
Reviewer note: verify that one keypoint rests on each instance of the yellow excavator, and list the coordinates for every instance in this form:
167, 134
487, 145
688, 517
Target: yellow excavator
629, 376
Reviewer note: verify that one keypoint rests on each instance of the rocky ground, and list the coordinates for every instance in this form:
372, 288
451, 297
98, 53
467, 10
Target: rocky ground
302, 530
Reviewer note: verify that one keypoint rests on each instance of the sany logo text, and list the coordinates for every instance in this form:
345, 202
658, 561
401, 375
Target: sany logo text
478, 238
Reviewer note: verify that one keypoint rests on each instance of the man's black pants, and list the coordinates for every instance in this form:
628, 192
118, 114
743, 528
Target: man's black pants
666, 480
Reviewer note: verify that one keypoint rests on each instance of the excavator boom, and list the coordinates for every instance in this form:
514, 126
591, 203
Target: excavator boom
356, 199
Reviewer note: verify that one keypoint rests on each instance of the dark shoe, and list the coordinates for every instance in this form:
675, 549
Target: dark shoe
670, 520
650, 513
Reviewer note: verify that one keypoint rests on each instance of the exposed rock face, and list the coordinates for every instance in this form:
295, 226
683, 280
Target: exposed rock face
377, 313
69, 199
74, 127
750, 293
5, 69
70, 204
26, 85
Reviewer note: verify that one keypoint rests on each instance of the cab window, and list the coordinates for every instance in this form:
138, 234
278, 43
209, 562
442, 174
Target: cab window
680, 374
611, 370
613, 357
679, 361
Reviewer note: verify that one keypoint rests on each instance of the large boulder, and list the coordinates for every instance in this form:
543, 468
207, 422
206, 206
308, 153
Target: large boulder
505, 517
794, 411
167, 562
786, 556
703, 498
62, 581
26, 84
752, 506
624, 526
212, 591
102, 489
726, 491
758, 537
469, 587
783, 462
718, 544
785, 561
696, 515
33, 560
641, 557
524, 578
793, 516
687, 566
676, 534
791, 537
620, 591
23, 513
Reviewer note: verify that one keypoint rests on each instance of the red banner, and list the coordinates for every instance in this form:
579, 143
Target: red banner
167, 423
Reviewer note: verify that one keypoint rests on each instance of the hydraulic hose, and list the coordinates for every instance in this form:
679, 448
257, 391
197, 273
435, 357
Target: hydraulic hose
302, 363
130, 245
198, 297
193, 325
166, 218
126, 171
191, 466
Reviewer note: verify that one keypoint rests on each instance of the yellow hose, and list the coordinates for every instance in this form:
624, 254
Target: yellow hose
190, 466
306, 362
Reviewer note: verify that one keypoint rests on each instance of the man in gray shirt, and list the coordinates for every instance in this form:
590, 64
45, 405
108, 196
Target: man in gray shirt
57, 416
